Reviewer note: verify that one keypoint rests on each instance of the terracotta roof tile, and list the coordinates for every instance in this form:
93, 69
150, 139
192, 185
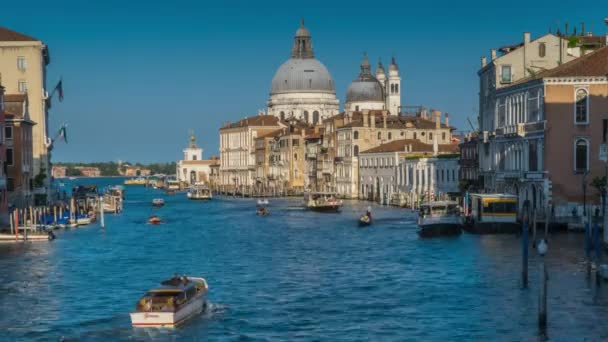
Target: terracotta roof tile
258, 120
7, 35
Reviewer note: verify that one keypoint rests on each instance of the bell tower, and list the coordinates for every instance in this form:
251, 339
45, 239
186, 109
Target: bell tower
393, 89
193, 152
302, 43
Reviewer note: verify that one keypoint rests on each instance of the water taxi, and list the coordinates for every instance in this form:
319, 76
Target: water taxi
322, 201
172, 184
439, 218
491, 214
135, 181
199, 192
158, 202
176, 301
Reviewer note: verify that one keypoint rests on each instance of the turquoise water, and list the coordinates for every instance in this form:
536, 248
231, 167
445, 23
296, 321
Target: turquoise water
294, 275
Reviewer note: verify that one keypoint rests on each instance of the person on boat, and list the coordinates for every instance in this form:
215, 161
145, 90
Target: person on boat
185, 280
368, 213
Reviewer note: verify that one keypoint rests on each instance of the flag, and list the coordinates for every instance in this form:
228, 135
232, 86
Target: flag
59, 88
63, 134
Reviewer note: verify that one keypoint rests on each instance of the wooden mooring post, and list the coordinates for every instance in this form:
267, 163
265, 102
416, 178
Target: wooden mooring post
101, 215
524, 244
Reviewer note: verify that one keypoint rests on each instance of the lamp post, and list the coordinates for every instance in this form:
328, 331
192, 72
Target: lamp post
542, 297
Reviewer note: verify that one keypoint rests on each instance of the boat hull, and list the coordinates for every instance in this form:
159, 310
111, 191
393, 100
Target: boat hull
439, 229
326, 208
493, 228
168, 319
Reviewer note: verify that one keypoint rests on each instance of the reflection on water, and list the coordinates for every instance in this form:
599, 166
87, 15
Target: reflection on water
294, 275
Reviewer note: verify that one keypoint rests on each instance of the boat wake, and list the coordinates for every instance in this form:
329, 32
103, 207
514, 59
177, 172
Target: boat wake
213, 310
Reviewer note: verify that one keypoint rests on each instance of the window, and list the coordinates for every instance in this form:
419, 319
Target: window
542, 50
10, 184
21, 63
604, 130
8, 132
315, 117
22, 86
295, 156
430, 135
282, 115
414, 135
396, 88
9, 156
356, 152
532, 156
356, 135
306, 116
390, 136
379, 135
193, 157
581, 107
443, 136
505, 74
581, 155
357, 108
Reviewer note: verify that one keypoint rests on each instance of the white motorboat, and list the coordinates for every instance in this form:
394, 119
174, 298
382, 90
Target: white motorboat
176, 301
440, 218
158, 202
322, 201
263, 202
200, 192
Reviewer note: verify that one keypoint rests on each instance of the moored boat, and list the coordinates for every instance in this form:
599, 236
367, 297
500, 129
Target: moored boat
440, 218
135, 181
158, 202
176, 301
154, 220
322, 201
199, 192
491, 214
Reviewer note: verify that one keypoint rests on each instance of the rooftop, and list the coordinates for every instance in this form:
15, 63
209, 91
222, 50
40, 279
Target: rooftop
417, 147
257, 121
7, 35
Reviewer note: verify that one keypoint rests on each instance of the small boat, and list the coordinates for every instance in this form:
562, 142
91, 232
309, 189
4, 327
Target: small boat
154, 220
262, 202
322, 201
158, 202
262, 211
170, 192
440, 218
199, 192
176, 301
366, 219
136, 181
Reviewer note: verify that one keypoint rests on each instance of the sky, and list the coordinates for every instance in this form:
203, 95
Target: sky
139, 75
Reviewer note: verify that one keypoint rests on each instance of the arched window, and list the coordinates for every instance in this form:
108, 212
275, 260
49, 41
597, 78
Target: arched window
390, 135
306, 116
581, 107
396, 88
581, 155
542, 49
194, 157
392, 88
315, 117
282, 115
415, 136
356, 108
356, 135
295, 156
379, 135
356, 150
430, 135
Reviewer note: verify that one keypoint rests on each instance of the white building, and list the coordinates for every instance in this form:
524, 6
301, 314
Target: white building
428, 179
193, 169
404, 168
302, 87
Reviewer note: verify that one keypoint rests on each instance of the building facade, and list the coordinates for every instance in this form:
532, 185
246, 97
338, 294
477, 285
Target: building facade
469, 162
549, 130
18, 135
238, 150
23, 62
302, 87
193, 169
4, 216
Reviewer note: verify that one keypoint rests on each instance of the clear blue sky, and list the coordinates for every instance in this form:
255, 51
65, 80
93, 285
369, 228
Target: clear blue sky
139, 74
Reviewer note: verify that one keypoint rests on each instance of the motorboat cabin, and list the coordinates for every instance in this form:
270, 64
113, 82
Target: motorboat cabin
491, 214
440, 218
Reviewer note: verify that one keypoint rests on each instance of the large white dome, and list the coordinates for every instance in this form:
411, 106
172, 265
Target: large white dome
302, 75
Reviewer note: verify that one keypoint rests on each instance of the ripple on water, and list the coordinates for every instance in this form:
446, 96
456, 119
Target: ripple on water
294, 275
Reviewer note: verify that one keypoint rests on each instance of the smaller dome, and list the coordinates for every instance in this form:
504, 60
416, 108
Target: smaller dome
380, 69
366, 87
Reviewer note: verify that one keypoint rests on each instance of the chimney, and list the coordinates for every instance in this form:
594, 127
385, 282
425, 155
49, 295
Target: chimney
447, 119
493, 53
437, 117
484, 61
526, 37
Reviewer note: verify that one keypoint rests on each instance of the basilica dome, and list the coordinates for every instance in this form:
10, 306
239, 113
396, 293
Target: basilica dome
302, 75
366, 87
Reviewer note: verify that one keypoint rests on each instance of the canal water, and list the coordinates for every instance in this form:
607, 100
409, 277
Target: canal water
292, 276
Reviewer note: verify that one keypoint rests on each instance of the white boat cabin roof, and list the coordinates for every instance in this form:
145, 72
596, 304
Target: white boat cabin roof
493, 196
